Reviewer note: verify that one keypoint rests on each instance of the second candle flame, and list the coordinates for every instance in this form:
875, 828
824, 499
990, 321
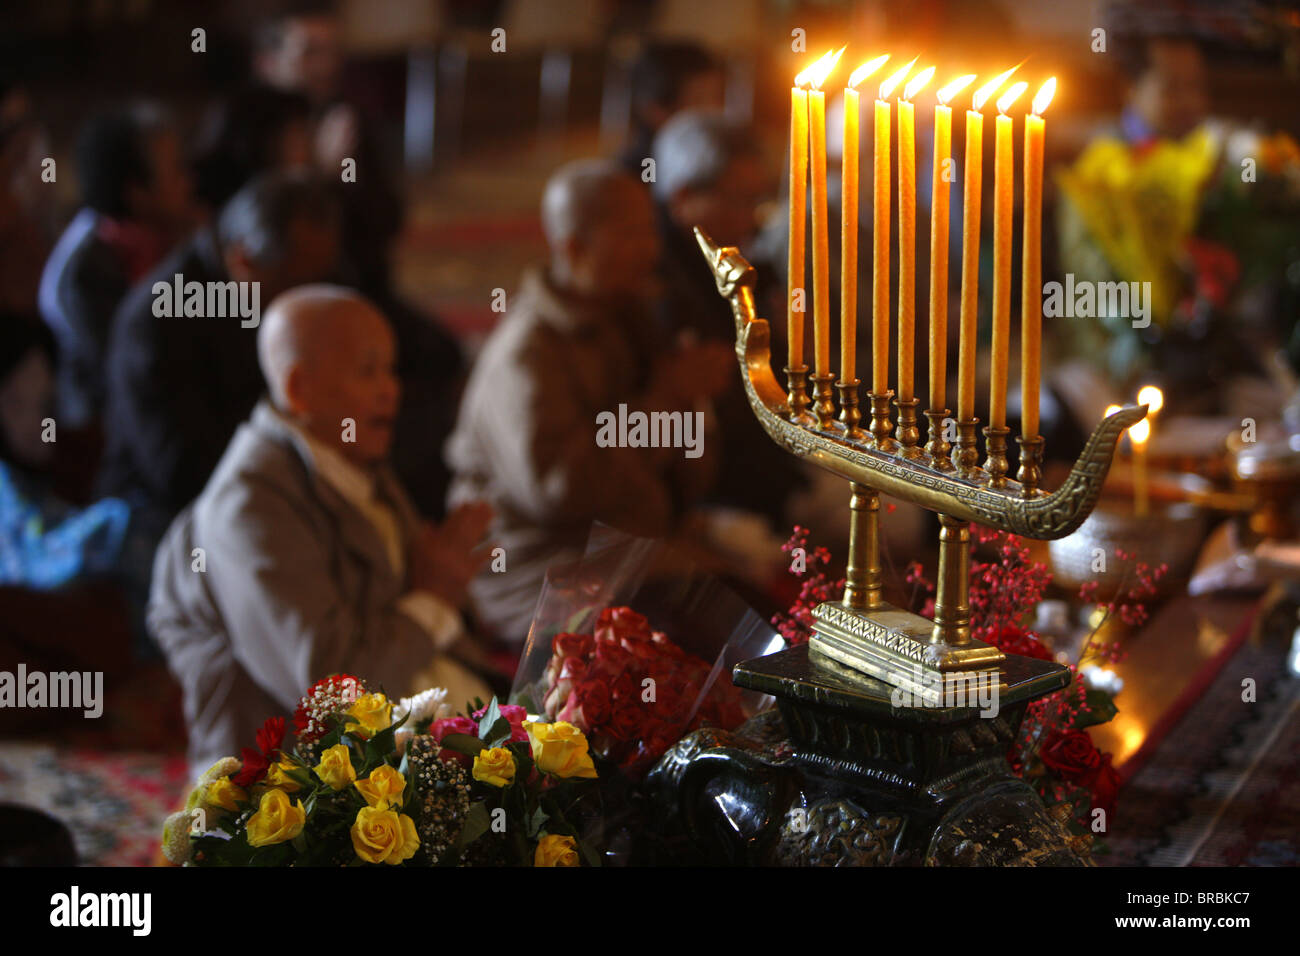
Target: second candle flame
815, 75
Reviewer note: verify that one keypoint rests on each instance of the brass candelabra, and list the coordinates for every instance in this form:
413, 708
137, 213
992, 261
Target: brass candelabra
862, 631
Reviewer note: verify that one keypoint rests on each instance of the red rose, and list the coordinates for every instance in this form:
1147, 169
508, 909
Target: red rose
616, 623
625, 723
452, 725
571, 645
1071, 753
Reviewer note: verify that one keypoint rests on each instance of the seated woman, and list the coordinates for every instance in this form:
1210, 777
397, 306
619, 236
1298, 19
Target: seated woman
45, 543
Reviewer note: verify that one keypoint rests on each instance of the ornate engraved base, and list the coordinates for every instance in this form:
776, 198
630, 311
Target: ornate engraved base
841, 775
895, 646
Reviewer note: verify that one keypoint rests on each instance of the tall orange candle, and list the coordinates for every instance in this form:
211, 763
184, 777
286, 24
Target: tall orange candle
849, 239
797, 296
849, 222
940, 182
1031, 288
972, 200
907, 235
1003, 183
880, 236
821, 240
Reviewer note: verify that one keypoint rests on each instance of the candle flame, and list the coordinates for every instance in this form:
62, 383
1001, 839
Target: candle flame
1111, 410
1152, 397
887, 87
866, 69
917, 83
1139, 433
1044, 96
946, 94
988, 89
815, 75
1011, 95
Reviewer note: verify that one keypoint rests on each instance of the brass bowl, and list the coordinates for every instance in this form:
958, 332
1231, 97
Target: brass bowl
1168, 534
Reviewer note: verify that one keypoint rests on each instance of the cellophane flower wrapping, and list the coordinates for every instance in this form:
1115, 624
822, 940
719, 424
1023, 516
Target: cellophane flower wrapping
635, 647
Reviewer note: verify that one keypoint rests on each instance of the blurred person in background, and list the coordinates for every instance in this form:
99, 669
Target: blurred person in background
45, 543
315, 562
25, 211
179, 385
136, 203
576, 341
259, 129
299, 50
709, 174
667, 77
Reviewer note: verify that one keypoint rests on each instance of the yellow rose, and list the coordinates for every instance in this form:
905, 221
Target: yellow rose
225, 794
383, 788
335, 767
276, 820
384, 836
495, 766
560, 749
371, 713
276, 777
554, 850
222, 768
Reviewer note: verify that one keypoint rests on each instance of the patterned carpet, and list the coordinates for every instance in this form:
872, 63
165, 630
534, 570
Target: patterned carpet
114, 803
1223, 789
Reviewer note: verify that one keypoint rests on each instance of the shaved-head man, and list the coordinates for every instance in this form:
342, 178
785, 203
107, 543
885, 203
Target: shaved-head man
328, 356
577, 342
303, 556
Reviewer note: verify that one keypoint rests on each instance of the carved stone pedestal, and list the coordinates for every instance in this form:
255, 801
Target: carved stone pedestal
841, 775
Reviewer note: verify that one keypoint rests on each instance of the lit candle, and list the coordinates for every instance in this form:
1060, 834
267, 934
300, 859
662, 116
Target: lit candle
972, 193
939, 187
1003, 183
849, 223
1031, 281
1153, 398
1138, 435
907, 235
880, 237
796, 298
821, 241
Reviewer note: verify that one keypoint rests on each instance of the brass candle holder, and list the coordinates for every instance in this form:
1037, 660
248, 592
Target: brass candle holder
862, 631
797, 394
937, 447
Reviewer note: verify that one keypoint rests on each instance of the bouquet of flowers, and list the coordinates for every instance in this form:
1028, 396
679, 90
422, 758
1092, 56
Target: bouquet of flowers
373, 782
632, 690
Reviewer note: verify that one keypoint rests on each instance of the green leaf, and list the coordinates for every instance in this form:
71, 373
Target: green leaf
463, 743
487, 723
536, 821
476, 824
1101, 708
